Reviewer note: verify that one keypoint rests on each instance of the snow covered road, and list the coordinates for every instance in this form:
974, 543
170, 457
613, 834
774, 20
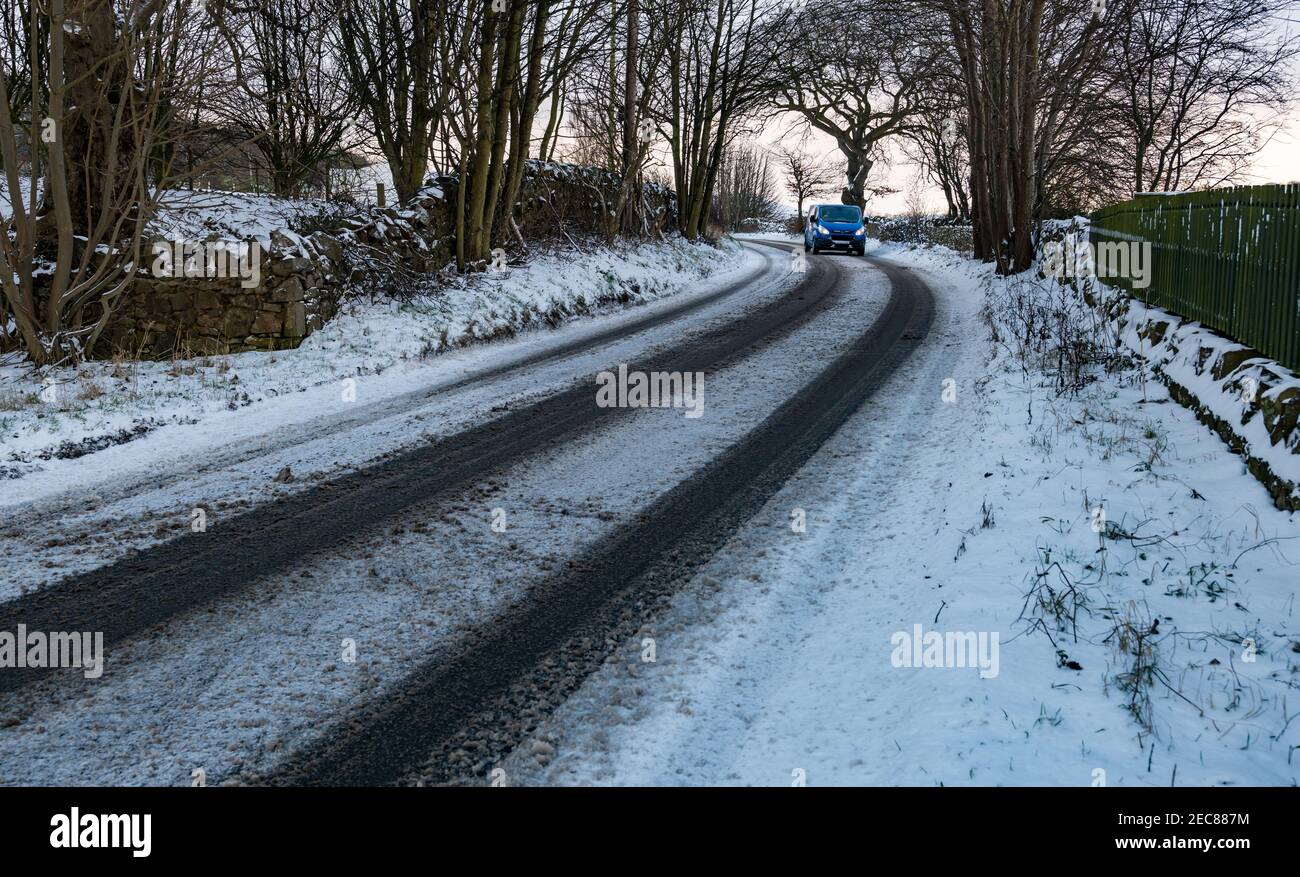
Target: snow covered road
139, 493
173, 681
481, 575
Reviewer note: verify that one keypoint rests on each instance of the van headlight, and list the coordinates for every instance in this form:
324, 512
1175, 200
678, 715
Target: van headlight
821, 229
860, 232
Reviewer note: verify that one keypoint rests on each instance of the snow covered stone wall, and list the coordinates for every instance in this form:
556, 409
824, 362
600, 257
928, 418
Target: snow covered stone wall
557, 198
1251, 402
181, 309
170, 313
300, 278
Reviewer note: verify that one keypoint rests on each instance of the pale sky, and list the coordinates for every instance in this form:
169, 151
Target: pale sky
1278, 162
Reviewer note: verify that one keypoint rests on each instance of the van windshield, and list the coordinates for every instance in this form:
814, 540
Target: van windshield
840, 213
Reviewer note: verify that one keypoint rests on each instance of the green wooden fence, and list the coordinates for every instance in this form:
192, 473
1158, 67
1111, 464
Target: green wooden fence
1228, 258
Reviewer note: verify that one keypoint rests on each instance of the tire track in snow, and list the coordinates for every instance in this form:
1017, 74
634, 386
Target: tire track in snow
744, 647
127, 597
525, 663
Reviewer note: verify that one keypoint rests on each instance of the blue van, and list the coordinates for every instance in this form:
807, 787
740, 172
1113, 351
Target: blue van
834, 227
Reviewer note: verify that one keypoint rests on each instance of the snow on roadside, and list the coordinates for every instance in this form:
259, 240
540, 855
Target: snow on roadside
1200, 361
1139, 581
67, 413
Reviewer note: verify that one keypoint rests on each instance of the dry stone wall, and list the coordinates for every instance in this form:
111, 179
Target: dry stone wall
300, 278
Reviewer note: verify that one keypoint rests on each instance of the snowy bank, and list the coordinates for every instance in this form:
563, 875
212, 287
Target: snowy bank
1250, 401
66, 413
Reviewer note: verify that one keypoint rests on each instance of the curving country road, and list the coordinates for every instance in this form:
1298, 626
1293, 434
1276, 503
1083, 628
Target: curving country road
544, 647
192, 570
492, 677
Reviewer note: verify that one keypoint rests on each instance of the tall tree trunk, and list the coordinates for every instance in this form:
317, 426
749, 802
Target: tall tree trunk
95, 80
507, 79
521, 134
858, 168
629, 89
476, 195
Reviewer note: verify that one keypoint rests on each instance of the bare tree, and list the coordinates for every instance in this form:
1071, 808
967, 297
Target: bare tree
401, 62
860, 81
746, 187
293, 102
938, 145
1199, 84
717, 70
596, 101
1029, 75
23, 44
77, 217
807, 176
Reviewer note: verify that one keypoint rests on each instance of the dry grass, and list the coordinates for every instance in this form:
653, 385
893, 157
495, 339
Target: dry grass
88, 389
14, 400
1133, 635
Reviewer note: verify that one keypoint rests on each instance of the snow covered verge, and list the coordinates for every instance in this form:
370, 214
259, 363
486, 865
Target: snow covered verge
1251, 401
1181, 587
1171, 584
67, 413
1025, 486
